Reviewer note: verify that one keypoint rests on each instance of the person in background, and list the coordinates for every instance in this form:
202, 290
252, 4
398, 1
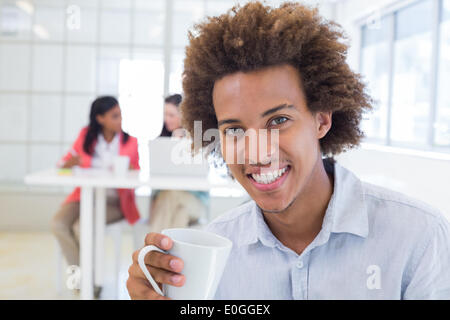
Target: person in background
96, 146
172, 117
173, 208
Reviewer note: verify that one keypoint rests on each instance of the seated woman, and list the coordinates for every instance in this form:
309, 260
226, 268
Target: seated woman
96, 146
173, 208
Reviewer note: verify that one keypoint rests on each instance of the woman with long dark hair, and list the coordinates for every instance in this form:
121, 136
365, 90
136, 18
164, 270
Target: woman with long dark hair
172, 116
175, 208
96, 146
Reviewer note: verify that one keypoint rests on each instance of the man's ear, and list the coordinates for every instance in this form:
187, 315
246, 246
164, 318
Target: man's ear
324, 122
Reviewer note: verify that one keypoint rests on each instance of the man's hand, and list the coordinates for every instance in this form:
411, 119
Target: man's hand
164, 268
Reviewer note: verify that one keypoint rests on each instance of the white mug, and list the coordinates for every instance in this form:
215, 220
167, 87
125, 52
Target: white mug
204, 255
121, 165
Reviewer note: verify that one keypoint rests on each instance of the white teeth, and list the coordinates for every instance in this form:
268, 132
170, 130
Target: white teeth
269, 177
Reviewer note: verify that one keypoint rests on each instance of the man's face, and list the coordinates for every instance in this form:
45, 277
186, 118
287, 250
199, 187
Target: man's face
269, 99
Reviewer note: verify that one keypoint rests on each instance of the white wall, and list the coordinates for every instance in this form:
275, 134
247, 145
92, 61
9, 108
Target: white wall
423, 178
48, 79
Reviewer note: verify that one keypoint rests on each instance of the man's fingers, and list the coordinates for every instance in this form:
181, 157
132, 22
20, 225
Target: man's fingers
164, 261
159, 275
160, 260
157, 239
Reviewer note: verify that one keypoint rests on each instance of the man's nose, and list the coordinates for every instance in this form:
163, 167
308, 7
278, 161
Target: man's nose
259, 150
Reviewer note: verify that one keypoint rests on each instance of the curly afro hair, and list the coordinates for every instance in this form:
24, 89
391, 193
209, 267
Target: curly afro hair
256, 36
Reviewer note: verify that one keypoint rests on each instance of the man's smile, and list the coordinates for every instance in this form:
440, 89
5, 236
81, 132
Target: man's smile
269, 180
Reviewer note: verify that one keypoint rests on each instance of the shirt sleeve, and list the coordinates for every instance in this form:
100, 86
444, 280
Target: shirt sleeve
74, 150
135, 155
431, 278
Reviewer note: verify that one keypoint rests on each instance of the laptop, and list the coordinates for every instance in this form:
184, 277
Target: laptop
172, 156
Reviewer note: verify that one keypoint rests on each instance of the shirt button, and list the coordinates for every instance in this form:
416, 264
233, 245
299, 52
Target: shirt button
300, 264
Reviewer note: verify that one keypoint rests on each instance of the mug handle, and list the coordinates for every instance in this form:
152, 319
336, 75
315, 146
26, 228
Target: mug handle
144, 269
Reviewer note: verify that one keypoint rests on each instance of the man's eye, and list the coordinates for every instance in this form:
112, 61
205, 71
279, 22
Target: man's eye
234, 131
279, 120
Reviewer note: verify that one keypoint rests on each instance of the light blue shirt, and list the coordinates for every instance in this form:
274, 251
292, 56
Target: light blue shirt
374, 244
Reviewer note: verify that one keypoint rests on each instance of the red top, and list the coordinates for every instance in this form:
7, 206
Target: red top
126, 196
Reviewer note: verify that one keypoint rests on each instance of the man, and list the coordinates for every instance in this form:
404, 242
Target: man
313, 230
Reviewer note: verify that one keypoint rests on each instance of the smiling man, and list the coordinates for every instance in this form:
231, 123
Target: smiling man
312, 230
294, 202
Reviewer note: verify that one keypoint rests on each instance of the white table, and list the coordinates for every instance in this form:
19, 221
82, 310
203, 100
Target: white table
96, 182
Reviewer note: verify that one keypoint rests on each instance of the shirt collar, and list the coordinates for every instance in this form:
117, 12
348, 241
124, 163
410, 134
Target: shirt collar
102, 141
346, 213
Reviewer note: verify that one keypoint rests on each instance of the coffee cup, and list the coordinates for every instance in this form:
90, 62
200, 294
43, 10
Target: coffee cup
121, 165
204, 254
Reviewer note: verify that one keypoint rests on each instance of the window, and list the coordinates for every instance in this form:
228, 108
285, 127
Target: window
140, 92
375, 66
176, 70
405, 59
185, 14
442, 125
412, 74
